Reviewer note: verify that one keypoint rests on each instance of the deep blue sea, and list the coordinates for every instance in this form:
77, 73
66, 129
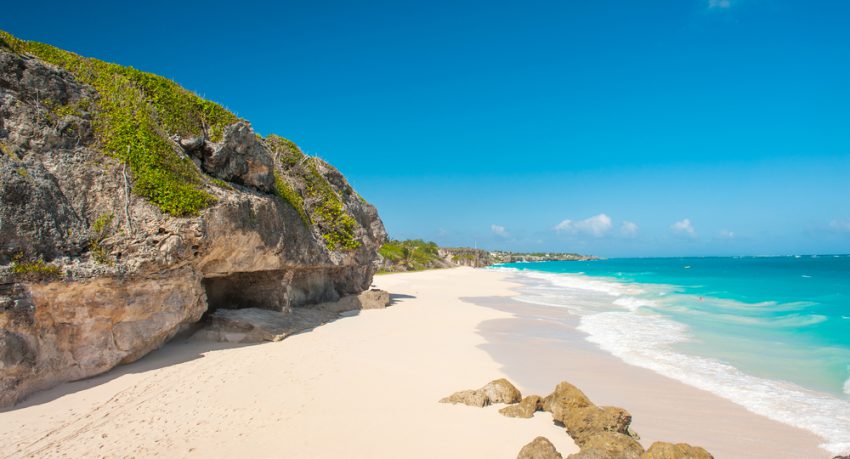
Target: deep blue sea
770, 333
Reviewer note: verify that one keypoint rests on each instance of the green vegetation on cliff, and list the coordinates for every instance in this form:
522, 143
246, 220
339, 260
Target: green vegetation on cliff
411, 255
337, 227
36, 269
323, 205
133, 117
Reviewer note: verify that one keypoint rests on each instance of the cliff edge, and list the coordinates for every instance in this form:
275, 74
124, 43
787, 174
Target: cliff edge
131, 207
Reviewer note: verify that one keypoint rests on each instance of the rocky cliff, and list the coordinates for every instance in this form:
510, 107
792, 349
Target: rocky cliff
417, 255
131, 208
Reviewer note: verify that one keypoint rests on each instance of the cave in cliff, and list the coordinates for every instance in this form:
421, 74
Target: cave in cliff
259, 289
276, 290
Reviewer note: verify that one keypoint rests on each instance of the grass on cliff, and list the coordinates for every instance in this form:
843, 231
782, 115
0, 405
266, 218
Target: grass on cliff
336, 225
134, 116
413, 254
137, 112
101, 228
34, 269
322, 205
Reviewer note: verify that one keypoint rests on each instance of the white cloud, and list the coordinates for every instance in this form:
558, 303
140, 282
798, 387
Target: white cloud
628, 229
499, 230
719, 4
596, 226
684, 227
839, 225
726, 234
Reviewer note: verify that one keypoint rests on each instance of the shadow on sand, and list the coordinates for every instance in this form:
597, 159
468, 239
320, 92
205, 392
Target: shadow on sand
180, 349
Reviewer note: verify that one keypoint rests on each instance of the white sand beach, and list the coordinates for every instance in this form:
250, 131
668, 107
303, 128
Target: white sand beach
368, 386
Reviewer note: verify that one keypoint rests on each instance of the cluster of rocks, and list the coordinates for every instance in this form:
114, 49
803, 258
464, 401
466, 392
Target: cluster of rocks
601, 432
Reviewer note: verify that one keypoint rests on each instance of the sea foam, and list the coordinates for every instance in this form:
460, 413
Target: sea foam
847, 383
632, 332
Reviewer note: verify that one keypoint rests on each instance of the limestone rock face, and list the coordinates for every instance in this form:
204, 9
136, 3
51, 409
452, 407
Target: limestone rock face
664, 450
539, 448
35, 216
63, 331
94, 272
496, 391
525, 408
239, 157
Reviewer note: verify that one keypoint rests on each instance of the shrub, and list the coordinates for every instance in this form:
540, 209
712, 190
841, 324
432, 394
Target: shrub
37, 269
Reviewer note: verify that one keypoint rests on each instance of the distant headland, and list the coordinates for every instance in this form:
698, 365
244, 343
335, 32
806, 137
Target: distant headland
418, 255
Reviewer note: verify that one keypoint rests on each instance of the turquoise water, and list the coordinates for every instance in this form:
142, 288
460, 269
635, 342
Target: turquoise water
771, 333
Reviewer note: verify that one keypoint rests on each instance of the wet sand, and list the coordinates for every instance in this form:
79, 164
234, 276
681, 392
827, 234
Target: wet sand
540, 345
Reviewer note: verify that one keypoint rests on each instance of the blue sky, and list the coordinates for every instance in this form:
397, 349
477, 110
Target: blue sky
681, 127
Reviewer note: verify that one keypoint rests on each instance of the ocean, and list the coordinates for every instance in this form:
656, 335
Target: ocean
769, 333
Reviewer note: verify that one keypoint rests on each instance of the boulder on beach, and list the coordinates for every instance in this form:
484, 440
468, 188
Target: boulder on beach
368, 299
583, 423
563, 398
254, 325
664, 450
501, 391
539, 448
525, 408
467, 397
572, 408
609, 445
496, 391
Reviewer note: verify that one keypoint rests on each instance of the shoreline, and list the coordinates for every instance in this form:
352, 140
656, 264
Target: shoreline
368, 385
663, 409
646, 325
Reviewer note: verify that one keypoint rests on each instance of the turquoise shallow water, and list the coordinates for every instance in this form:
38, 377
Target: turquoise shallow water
771, 333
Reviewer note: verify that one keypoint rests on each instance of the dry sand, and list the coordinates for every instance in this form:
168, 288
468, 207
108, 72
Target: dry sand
363, 387
368, 385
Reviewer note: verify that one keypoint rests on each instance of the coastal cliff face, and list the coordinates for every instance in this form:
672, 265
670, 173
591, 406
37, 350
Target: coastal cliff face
416, 255
131, 207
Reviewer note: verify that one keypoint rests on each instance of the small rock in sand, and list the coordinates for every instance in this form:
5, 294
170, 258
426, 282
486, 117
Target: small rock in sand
664, 450
467, 397
609, 445
496, 391
524, 409
501, 391
539, 448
